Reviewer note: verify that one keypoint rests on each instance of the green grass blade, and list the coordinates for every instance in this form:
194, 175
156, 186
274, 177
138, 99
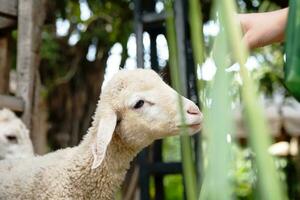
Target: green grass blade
197, 41
270, 186
186, 147
218, 124
196, 24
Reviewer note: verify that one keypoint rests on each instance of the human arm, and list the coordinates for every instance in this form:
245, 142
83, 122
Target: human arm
261, 29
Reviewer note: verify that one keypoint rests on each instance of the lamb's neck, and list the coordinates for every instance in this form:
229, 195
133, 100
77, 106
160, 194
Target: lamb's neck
103, 181
118, 156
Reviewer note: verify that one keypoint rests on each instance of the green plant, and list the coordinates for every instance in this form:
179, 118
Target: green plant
186, 147
218, 115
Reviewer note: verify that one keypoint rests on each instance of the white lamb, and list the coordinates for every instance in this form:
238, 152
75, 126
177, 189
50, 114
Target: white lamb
135, 108
14, 137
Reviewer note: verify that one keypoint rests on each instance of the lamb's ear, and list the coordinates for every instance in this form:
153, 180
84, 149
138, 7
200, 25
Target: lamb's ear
105, 129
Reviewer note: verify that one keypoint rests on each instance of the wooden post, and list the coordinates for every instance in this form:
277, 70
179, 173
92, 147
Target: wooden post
5, 62
11, 102
31, 15
39, 120
9, 8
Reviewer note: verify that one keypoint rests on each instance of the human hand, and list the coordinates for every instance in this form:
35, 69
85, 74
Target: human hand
261, 29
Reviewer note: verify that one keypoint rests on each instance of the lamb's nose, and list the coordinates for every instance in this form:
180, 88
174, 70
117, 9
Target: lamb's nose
193, 110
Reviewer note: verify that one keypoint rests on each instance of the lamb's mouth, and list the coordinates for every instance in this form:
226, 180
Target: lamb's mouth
192, 126
195, 126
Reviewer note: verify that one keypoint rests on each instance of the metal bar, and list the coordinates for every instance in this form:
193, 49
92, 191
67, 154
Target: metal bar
158, 178
165, 168
153, 50
153, 17
139, 34
144, 176
11, 102
180, 33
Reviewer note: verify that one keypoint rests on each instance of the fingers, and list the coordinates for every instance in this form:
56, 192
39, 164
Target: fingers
261, 29
243, 20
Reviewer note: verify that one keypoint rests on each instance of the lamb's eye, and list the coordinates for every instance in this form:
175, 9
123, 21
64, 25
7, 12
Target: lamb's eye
12, 138
139, 104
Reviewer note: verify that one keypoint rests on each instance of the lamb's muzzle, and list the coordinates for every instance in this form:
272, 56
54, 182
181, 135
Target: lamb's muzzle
193, 117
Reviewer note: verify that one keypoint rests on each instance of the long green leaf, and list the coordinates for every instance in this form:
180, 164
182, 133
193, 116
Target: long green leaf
196, 24
270, 186
218, 125
186, 147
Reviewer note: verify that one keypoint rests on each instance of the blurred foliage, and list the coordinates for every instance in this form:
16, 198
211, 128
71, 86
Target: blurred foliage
109, 22
171, 150
173, 187
72, 80
244, 174
268, 71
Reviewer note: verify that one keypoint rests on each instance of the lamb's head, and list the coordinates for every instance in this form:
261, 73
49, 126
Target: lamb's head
14, 136
138, 107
